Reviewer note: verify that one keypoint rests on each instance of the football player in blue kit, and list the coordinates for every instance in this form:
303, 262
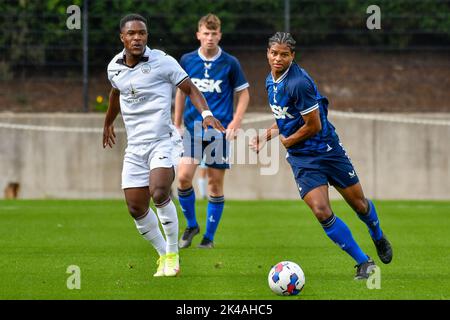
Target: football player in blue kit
315, 153
218, 75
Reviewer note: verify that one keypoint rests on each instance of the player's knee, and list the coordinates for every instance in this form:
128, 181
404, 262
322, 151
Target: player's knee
160, 195
361, 206
321, 211
136, 210
215, 188
184, 181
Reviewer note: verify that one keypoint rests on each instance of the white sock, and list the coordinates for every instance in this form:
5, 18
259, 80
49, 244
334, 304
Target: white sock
167, 213
202, 187
149, 229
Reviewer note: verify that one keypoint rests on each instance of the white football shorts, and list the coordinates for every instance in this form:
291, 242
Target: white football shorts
140, 159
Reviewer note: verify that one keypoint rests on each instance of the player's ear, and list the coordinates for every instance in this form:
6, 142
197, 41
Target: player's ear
198, 35
121, 37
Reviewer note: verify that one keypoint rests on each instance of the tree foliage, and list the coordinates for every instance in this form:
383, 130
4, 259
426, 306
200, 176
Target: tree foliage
34, 33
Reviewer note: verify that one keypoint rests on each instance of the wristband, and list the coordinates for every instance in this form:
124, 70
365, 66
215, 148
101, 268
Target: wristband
206, 113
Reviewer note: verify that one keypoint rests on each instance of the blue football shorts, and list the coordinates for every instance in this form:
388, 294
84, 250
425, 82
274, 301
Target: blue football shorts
333, 167
213, 149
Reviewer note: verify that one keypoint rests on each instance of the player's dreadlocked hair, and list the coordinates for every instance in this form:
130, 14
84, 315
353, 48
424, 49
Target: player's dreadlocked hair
132, 17
283, 38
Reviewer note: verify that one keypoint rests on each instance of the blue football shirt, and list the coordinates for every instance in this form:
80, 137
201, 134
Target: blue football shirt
293, 95
218, 79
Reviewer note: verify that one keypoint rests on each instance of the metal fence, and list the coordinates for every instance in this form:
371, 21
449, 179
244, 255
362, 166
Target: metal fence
41, 57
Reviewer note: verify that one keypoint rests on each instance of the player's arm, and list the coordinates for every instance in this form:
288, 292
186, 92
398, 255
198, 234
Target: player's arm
199, 102
259, 142
243, 99
111, 114
180, 99
311, 127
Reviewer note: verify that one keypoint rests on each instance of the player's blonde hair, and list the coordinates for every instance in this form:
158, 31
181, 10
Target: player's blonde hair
210, 21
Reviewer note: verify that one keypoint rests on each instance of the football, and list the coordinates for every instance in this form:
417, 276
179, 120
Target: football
286, 278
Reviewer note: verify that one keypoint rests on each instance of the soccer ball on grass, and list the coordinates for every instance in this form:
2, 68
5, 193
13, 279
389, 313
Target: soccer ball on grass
286, 278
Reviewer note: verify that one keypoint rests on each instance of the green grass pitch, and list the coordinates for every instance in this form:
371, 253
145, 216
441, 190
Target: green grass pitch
40, 239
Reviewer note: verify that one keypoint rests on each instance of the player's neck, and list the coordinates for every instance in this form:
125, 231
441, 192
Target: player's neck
132, 60
277, 75
209, 53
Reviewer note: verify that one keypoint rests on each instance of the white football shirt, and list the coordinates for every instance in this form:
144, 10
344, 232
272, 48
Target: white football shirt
146, 93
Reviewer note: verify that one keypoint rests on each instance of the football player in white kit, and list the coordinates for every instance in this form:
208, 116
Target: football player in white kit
142, 81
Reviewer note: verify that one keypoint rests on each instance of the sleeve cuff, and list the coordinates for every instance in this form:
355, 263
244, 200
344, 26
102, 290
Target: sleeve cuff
179, 82
310, 109
242, 87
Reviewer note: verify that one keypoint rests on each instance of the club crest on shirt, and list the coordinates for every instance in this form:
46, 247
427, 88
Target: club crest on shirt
145, 68
207, 67
275, 91
132, 91
134, 95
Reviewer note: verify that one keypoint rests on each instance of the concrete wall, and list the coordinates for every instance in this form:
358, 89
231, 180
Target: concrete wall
393, 160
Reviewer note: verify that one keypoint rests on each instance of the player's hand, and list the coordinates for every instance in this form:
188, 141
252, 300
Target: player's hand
109, 137
210, 121
232, 129
180, 131
257, 143
285, 141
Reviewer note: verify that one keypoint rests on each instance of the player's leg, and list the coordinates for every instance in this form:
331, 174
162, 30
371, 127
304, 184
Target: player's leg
364, 208
313, 186
366, 211
342, 175
336, 229
186, 196
161, 179
187, 166
202, 180
160, 185
216, 153
135, 184
162, 174
216, 202
138, 200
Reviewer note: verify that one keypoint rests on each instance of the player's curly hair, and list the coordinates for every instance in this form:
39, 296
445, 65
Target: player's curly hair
282, 38
131, 17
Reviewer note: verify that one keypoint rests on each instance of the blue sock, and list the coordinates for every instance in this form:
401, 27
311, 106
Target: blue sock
187, 203
337, 230
372, 222
214, 213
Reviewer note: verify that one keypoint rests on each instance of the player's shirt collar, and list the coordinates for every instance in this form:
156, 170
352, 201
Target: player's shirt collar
144, 58
282, 76
211, 59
